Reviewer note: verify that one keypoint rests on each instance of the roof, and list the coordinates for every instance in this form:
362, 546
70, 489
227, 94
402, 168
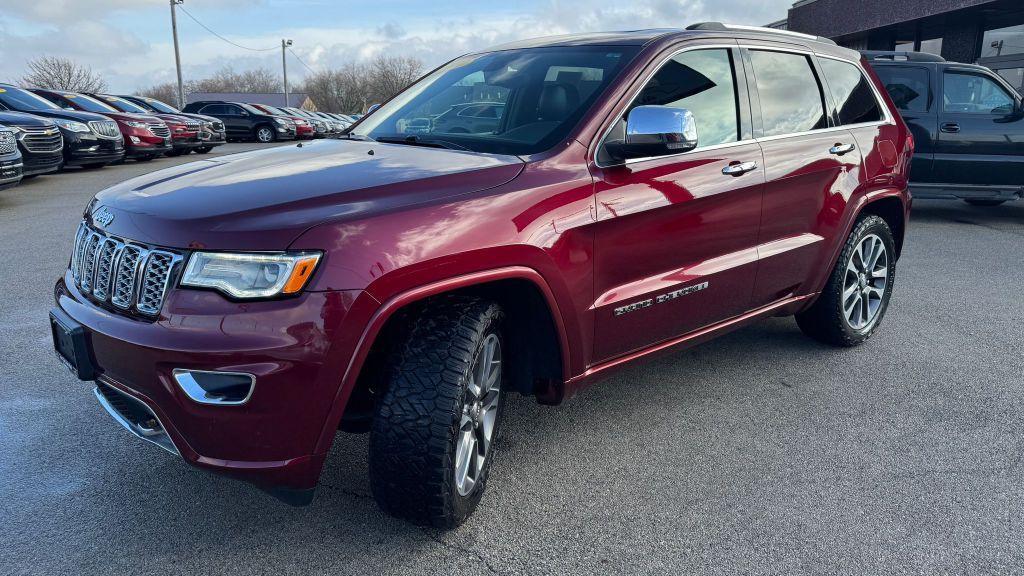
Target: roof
627, 38
268, 98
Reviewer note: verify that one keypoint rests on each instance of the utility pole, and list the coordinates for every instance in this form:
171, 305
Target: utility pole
177, 53
285, 43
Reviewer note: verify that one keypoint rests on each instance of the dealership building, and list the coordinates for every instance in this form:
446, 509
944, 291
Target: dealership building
986, 32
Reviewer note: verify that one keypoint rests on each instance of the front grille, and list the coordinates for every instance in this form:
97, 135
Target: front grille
192, 126
42, 140
105, 128
159, 128
132, 277
8, 143
218, 126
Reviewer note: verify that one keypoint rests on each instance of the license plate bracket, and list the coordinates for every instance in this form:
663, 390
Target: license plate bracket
72, 345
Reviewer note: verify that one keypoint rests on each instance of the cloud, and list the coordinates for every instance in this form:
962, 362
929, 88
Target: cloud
113, 44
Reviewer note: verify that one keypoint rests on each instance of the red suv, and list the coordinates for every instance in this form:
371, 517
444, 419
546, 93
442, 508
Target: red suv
303, 127
641, 192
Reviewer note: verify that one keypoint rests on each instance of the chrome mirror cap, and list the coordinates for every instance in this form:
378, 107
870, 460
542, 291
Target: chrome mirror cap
673, 128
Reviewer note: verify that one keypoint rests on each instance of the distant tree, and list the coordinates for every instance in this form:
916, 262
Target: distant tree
166, 92
389, 75
227, 80
58, 73
355, 86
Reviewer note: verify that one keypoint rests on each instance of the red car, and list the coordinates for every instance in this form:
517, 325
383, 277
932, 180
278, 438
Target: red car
642, 192
185, 131
145, 135
303, 127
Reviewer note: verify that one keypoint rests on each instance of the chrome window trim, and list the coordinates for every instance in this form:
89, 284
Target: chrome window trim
771, 48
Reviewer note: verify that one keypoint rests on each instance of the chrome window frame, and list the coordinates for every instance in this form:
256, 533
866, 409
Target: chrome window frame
887, 117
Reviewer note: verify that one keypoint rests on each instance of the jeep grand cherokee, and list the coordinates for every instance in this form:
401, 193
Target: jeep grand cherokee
642, 191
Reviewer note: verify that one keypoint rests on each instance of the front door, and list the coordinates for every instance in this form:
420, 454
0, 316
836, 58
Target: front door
980, 129
676, 237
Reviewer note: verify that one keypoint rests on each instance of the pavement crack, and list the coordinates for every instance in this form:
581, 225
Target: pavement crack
436, 537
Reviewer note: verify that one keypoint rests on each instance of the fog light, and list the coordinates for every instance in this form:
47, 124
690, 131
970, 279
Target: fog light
134, 139
221, 388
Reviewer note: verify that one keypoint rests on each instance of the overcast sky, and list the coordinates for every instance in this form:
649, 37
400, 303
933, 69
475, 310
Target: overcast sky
129, 41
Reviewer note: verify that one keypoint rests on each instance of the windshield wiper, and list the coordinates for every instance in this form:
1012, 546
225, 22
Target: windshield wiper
413, 140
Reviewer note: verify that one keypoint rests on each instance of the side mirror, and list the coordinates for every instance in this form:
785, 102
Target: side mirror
655, 131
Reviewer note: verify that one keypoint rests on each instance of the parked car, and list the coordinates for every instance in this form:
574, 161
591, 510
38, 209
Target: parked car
39, 141
145, 137
344, 120
10, 159
212, 132
644, 191
471, 118
303, 126
968, 126
184, 130
320, 126
243, 122
90, 140
334, 126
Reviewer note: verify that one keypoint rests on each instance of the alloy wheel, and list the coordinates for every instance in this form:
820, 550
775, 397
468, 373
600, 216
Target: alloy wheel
479, 414
867, 276
264, 135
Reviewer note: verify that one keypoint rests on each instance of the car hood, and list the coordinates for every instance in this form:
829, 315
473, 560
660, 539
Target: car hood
24, 119
69, 115
263, 200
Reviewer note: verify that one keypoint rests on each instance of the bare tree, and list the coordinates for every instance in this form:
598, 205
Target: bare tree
58, 73
227, 80
166, 92
354, 86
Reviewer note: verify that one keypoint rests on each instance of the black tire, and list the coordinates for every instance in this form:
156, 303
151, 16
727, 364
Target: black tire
420, 415
202, 150
264, 133
95, 166
826, 320
145, 158
983, 202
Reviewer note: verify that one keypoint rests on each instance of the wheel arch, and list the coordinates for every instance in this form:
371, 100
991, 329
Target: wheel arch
534, 327
892, 209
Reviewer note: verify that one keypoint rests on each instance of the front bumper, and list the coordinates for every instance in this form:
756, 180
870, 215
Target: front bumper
10, 172
147, 146
41, 163
296, 348
80, 149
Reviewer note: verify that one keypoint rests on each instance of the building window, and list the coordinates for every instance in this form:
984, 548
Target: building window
1003, 41
931, 46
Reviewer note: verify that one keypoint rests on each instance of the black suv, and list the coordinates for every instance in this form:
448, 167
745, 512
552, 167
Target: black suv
90, 140
967, 122
39, 140
243, 122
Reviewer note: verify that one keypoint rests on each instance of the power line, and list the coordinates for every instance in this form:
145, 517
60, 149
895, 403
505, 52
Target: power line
301, 62
208, 29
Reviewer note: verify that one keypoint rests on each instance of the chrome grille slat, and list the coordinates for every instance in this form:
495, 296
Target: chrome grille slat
129, 276
42, 142
105, 129
8, 143
160, 129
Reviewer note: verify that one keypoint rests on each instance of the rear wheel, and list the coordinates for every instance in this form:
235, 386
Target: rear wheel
265, 134
855, 299
433, 436
203, 149
95, 166
983, 202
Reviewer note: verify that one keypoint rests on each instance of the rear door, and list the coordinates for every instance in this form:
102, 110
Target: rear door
981, 131
675, 242
238, 122
811, 170
910, 88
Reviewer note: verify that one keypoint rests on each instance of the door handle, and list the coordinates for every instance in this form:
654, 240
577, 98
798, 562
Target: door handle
840, 149
950, 127
739, 168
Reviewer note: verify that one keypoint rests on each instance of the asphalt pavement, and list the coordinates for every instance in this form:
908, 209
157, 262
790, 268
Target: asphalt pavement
761, 452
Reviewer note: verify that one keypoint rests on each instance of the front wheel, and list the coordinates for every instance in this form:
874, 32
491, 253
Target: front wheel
857, 294
433, 436
265, 134
203, 149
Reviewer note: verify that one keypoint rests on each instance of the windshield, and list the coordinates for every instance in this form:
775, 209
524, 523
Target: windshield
18, 99
123, 105
85, 103
510, 102
274, 111
160, 106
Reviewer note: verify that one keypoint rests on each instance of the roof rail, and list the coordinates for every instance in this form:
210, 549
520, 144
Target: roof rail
901, 55
720, 27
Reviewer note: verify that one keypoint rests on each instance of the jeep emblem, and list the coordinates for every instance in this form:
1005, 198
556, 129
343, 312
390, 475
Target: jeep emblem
103, 217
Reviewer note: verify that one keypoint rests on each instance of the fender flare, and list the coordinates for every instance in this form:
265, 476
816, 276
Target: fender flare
402, 299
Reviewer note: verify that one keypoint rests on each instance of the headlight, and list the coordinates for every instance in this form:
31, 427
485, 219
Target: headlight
250, 275
71, 125
281, 121
135, 124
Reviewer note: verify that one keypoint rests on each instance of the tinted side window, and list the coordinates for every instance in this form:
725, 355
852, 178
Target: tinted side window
907, 86
702, 82
213, 109
232, 110
854, 99
789, 92
974, 93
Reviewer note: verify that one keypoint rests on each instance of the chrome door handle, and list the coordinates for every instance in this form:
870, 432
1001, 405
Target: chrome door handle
739, 168
950, 127
840, 149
